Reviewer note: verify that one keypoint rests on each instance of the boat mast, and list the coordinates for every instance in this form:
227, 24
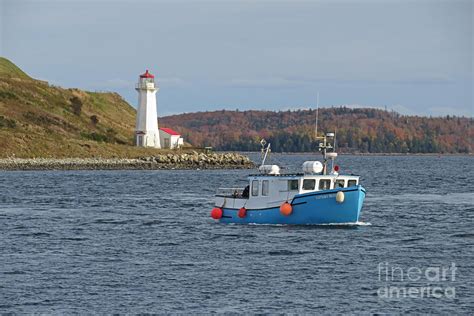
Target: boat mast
264, 151
317, 112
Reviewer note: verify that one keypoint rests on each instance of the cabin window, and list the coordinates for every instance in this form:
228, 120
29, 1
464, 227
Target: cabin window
265, 185
292, 185
324, 184
309, 184
339, 183
255, 188
351, 183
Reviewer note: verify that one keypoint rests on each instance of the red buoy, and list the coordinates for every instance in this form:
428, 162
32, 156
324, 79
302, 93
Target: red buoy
242, 212
336, 168
216, 213
286, 209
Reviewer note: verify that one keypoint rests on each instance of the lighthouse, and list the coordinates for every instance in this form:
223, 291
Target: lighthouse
146, 131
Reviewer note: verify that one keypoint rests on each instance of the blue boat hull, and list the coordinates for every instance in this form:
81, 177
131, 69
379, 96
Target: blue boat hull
308, 208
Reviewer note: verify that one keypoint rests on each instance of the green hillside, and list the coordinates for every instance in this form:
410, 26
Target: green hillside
40, 120
10, 70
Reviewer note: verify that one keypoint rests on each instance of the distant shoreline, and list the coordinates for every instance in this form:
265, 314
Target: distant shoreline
364, 154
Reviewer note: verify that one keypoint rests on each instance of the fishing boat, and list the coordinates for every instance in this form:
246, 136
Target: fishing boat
317, 195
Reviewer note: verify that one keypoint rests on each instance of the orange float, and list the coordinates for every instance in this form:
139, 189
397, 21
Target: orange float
286, 209
242, 212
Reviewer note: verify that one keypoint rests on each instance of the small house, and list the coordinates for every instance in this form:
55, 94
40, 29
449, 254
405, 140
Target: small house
170, 138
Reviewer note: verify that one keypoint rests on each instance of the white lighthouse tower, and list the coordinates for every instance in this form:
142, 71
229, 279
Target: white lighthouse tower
146, 131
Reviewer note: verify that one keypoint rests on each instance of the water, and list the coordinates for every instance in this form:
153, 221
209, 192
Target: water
142, 241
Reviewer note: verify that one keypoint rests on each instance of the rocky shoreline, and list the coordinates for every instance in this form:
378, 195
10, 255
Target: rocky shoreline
193, 160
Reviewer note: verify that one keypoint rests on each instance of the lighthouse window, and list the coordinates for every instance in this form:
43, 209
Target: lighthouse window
255, 188
265, 185
324, 184
292, 185
351, 183
309, 184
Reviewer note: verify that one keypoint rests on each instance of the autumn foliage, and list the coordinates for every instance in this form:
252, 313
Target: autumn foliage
364, 130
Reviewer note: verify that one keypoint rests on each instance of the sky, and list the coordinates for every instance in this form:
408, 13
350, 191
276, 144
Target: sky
414, 57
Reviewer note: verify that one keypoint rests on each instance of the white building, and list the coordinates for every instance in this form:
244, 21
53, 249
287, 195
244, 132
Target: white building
146, 130
170, 138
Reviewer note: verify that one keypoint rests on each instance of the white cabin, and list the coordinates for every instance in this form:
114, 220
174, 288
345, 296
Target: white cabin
271, 190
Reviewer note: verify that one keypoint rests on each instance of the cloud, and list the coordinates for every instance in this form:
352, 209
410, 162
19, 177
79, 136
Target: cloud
417, 54
446, 110
405, 110
300, 81
270, 82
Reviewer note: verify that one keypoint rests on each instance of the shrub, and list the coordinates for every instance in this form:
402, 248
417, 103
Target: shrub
76, 105
111, 133
38, 119
7, 95
95, 137
94, 120
8, 123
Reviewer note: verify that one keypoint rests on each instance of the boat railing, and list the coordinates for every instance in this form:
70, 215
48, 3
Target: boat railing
230, 192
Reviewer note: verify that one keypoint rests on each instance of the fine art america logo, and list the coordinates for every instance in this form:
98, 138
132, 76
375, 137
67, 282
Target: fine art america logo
416, 282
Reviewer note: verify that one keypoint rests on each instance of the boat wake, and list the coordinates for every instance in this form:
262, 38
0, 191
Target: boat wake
352, 224
348, 224
458, 198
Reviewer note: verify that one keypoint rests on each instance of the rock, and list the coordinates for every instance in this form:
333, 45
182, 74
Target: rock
161, 161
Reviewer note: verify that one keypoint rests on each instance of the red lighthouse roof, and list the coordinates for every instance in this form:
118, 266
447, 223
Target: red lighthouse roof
147, 75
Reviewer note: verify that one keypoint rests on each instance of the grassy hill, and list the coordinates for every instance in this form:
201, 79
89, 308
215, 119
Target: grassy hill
40, 120
358, 130
10, 70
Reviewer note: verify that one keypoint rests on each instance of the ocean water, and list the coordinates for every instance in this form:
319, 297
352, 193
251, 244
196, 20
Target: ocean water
143, 242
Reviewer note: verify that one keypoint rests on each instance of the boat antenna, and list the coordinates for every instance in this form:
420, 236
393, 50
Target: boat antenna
317, 112
335, 135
